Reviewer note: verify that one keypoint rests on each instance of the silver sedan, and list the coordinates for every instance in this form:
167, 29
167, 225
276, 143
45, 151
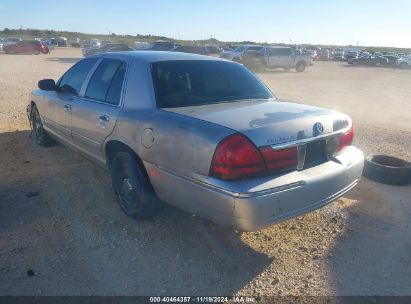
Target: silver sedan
200, 133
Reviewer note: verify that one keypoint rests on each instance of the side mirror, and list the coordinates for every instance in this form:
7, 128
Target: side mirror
47, 85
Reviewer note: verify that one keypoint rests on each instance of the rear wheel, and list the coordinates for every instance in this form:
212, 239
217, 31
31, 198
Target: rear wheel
300, 67
36, 52
132, 187
42, 138
261, 66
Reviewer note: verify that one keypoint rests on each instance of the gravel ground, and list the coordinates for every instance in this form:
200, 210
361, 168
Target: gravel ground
61, 232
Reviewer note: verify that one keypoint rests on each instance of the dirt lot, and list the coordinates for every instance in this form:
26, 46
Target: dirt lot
58, 216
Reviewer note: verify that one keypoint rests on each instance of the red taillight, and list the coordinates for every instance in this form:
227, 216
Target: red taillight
280, 159
236, 157
346, 139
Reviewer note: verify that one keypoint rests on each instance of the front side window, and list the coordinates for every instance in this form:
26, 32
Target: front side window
199, 82
73, 79
239, 49
107, 81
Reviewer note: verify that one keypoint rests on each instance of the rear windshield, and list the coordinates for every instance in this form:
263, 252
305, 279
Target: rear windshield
199, 82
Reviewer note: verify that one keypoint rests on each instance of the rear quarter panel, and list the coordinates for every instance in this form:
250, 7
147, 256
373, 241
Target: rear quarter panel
179, 143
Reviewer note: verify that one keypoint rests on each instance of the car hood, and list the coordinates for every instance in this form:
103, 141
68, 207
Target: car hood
268, 122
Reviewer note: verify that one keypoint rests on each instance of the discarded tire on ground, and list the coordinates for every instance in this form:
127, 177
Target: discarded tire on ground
387, 170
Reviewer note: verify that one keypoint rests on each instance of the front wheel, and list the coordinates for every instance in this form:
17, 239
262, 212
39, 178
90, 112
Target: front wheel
132, 187
42, 137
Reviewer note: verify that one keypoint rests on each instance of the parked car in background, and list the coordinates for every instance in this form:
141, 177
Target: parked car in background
272, 57
75, 42
92, 43
8, 41
107, 48
237, 54
32, 47
48, 42
49, 45
350, 55
392, 60
324, 55
200, 50
404, 62
61, 41
313, 54
86, 44
369, 60
338, 56
141, 45
162, 46
200, 133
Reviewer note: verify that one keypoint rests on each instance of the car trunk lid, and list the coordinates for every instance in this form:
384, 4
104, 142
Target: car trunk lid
269, 122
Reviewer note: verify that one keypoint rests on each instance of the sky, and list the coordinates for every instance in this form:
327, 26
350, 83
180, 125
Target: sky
339, 22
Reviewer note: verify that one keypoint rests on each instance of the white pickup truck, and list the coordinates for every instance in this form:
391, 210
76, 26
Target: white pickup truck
404, 62
273, 57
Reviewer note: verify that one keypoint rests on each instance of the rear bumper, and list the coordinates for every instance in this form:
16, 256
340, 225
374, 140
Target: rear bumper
258, 203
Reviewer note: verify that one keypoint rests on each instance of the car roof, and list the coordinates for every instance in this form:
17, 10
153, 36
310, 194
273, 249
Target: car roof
280, 47
156, 56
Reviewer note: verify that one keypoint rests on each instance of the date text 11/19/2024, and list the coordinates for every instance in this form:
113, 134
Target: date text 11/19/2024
235, 299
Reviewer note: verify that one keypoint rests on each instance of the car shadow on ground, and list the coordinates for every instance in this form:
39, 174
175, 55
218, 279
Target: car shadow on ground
64, 59
373, 257
59, 218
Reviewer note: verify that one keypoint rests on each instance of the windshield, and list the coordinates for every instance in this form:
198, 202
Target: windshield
199, 82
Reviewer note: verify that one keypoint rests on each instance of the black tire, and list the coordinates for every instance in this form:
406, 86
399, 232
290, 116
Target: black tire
132, 187
387, 170
261, 67
403, 65
300, 67
42, 137
36, 52
236, 59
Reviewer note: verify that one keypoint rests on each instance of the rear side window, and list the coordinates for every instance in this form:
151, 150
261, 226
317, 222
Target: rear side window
73, 79
280, 52
107, 81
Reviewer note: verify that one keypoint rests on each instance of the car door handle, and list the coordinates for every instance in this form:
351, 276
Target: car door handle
104, 118
67, 107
